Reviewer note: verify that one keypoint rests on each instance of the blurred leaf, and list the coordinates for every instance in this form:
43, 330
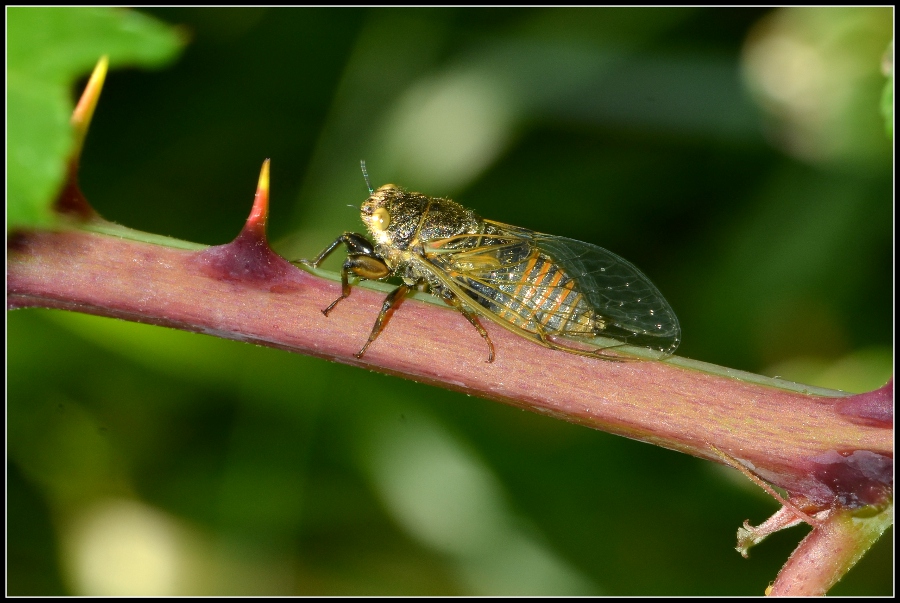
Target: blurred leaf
887, 97
814, 70
47, 49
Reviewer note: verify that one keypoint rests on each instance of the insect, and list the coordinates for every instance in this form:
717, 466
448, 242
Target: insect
538, 286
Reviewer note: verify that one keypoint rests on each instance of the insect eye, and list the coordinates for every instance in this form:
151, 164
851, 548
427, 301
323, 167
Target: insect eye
381, 219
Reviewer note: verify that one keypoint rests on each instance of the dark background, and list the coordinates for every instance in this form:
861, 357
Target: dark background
737, 156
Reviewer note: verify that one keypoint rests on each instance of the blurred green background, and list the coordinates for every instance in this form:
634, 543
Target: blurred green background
737, 156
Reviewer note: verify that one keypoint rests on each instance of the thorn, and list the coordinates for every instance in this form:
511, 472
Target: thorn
71, 201
256, 222
874, 409
84, 111
248, 258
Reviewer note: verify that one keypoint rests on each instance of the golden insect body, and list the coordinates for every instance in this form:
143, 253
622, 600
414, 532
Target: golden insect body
536, 285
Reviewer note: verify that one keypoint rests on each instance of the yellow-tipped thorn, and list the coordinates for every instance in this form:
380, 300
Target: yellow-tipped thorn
84, 111
261, 202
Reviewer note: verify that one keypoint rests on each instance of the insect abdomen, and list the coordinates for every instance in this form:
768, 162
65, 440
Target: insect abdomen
536, 295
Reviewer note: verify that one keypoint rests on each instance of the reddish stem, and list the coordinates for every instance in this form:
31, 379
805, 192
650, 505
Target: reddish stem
810, 445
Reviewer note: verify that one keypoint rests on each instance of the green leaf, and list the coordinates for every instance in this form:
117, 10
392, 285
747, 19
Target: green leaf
47, 49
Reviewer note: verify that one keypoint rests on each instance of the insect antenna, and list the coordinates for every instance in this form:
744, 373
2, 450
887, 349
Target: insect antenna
362, 165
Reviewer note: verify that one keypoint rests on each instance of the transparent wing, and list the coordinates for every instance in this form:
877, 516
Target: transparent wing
490, 269
637, 312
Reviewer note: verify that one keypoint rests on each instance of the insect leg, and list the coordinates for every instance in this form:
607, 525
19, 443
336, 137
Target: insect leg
356, 244
363, 266
361, 261
454, 301
544, 339
387, 308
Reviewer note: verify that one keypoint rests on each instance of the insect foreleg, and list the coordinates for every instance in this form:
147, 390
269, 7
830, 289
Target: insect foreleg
363, 266
361, 261
454, 301
356, 244
387, 308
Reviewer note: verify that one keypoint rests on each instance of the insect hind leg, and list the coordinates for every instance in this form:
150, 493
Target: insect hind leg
544, 339
600, 353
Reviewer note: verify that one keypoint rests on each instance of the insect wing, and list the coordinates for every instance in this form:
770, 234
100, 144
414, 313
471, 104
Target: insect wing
635, 310
558, 286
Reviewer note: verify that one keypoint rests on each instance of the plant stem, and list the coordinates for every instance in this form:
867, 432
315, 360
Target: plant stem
810, 445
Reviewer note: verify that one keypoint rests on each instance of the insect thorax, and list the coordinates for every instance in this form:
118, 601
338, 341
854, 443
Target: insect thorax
415, 221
